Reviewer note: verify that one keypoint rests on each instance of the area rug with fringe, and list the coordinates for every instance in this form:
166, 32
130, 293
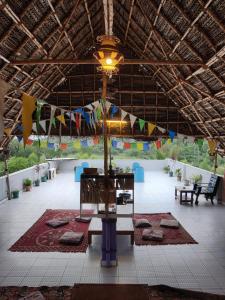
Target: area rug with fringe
103, 292
42, 238
171, 236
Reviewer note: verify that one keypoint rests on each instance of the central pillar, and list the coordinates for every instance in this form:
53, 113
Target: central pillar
108, 224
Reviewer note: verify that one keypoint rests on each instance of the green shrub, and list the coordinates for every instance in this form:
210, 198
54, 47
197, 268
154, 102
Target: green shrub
18, 163
33, 159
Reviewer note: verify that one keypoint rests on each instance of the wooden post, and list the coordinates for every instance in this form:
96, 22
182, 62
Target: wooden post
104, 91
6, 152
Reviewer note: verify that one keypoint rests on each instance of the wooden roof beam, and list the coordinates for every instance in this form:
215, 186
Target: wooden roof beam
129, 19
89, 20
191, 26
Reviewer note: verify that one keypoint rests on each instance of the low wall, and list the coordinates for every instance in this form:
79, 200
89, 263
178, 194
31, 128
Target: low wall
16, 179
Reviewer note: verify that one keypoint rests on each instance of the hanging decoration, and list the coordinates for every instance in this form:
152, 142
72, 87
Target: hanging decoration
4, 87
212, 146
28, 107
141, 124
132, 120
61, 118
123, 114
151, 128
172, 135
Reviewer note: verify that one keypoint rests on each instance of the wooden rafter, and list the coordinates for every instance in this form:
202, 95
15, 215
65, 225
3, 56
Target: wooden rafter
128, 22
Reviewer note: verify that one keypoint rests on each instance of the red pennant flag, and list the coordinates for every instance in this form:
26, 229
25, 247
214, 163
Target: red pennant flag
158, 144
126, 146
63, 146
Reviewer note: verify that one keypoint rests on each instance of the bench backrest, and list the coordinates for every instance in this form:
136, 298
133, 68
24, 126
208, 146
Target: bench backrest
213, 184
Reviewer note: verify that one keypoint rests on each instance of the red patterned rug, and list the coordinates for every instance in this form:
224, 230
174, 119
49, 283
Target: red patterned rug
42, 238
171, 236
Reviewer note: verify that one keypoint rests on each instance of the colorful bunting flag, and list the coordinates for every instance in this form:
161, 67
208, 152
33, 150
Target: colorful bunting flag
29, 142
114, 110
114, 143
169, 141
141, 124
180, 137
63, 146
107, 106
4, 87
19, 138
84, 143
95, 104
133, 145
132, 120
89, 106
146, 147
96, 140
28, 107
123, 114
61, 118
127, 146
7, 131
212, 146
51, 146
151, 128
119, 145
172, 135
77, 144
43, 125
34, 127
139, 146
163, 130
158, 144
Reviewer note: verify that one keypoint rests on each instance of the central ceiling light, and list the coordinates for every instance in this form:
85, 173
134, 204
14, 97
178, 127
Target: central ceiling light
108, 55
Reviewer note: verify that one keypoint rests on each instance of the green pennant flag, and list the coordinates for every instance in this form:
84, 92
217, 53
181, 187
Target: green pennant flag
199, 142
52, 122
141, 124
99, 112
163, 141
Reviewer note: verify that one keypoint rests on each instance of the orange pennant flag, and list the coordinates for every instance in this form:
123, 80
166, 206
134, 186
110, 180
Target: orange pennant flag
28, 107
61, 118
212, 146
8, 131
151, 127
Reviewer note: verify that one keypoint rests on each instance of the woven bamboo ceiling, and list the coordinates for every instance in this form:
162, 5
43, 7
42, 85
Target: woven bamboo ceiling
188, 98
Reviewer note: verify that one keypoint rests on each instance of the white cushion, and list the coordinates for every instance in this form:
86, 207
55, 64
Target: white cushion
169, 223
71, 238
141, 223
57, 222
152, 235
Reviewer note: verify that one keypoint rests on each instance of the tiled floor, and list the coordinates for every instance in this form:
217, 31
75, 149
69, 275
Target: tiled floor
196, 267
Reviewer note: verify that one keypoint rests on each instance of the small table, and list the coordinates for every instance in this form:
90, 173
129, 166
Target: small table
124, 226
51, 173
186, 194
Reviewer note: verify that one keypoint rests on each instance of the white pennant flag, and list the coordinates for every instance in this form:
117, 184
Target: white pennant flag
107, 105
34, 127
132, 120
89, 106
180, 136
53, 109
190, 139
123, 114
43, 125
163, 130
90, 142
72, 117
119, 145
95, 104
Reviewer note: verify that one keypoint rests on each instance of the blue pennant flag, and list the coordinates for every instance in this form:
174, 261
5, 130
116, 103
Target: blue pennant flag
87, 117
19, 127
114, 143
114, 110
172, 134
19, 138
79, 111
146, 147
51, 146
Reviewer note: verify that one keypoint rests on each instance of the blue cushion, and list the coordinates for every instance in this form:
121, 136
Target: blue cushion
135, 165
85, 165
79, 170
139, 174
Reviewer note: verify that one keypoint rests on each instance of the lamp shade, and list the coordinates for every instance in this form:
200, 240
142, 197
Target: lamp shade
108, 55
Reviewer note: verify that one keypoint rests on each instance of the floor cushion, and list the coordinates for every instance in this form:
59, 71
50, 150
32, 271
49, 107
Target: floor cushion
71, 238
152, 235
56, 222
83, 219
142, 223
33, 296
169, 223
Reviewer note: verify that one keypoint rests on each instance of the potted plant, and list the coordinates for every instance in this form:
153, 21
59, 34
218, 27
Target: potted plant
37, 182
43, 179
178, 174
197, 179
15, 194
171, 173
166, 169
186, 182
127, 170
27, 184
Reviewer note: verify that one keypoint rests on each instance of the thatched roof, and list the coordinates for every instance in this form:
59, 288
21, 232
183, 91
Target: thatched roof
189, 99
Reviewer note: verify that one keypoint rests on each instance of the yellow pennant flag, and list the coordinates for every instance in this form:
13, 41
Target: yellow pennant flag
77, 144
140, 146
8, 131
169, 141
28, 107
61, 118
212, 146
151, 127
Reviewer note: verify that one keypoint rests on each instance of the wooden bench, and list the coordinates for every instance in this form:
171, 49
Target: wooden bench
124, 226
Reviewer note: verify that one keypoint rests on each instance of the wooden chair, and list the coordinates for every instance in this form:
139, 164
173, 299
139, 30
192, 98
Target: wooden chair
209, 189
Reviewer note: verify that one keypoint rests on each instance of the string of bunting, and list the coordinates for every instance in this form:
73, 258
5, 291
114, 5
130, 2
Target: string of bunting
92, 114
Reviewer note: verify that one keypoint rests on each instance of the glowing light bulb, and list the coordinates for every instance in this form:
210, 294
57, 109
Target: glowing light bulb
109, 61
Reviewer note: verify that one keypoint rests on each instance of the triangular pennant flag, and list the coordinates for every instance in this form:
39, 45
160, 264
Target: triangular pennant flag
114, 143
123, 114
63, 146
107, 106
134, 145
7, 131
126, 146
90, 142
19, 138
95, 104
84, 143
87, 117
132, 120
99, 113
212, 146
119, 145
151, 128
172, 135
89, 106
169, 141
29, 142
51, 146
163, 130
114, 110
43, 125
72, 118
29, 106
61, 118
4, 87
34, 127
141, 124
